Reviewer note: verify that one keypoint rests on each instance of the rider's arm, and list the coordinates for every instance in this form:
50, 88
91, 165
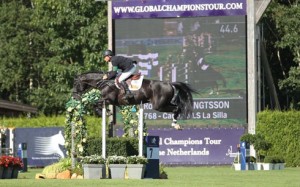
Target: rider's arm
111, 75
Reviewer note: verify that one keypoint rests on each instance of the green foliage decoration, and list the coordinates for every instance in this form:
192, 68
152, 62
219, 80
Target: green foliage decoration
76, 109
130, 116
58, 167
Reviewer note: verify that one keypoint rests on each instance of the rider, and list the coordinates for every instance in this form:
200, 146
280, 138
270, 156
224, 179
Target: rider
127, 66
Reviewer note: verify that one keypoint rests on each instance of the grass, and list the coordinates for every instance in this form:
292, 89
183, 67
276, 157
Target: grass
178, 176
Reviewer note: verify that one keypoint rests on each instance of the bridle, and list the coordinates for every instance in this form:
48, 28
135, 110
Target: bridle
78, 83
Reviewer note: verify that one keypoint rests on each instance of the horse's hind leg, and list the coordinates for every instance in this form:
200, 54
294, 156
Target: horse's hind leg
173, 109
175, 116
161, 104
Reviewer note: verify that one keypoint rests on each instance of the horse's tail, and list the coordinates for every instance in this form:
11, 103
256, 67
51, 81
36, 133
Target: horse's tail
185, 98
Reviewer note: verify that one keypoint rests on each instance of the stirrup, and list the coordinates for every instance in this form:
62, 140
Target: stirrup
173, 103
128, 94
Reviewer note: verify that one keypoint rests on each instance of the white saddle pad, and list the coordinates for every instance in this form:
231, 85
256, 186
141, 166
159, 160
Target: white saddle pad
136, 84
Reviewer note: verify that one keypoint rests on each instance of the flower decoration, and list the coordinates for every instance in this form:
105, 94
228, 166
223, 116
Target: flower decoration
136, 160
17, 162
93, 159
3, 131
116, 159
130, 117
76, 109
9, 161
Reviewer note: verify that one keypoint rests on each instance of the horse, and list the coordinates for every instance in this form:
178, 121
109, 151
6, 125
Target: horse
174, 97
206, 77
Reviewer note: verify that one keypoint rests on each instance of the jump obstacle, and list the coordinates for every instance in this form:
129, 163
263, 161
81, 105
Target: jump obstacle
140, 130
176, 71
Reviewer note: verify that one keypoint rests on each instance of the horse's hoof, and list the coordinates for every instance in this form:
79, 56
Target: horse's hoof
177, 127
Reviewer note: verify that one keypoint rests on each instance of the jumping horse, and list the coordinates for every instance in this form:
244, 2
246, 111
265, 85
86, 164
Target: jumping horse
174, 97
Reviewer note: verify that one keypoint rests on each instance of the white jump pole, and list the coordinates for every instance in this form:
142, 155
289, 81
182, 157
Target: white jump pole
141, 125
174, 68
103, 130
73, 160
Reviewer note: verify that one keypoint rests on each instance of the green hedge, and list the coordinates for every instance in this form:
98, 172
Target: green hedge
114, 146
282, 130
93, 123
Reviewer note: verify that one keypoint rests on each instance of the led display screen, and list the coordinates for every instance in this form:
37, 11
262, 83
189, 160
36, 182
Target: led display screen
209, 53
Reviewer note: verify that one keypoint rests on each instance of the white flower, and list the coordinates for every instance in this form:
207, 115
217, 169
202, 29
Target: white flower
70, 109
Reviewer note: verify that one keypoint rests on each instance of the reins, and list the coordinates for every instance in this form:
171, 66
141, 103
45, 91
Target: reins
103, 83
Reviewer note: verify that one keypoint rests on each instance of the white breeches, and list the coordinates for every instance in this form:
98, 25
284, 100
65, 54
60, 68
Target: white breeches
126, 74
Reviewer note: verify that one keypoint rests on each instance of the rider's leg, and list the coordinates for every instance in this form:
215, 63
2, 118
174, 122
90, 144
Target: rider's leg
123, 84
124, 75
128, 93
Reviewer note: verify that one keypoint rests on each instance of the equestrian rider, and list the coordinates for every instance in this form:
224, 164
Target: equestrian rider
127, 66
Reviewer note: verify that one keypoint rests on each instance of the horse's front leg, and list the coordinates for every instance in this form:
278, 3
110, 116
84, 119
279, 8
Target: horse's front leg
99, 106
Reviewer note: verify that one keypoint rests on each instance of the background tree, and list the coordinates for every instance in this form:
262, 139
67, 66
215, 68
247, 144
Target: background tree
14, 50
282, 33
47, 43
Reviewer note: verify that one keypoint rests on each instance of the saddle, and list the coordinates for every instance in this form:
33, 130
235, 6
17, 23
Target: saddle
134, 81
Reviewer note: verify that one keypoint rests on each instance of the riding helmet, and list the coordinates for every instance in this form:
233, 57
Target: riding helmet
108, 53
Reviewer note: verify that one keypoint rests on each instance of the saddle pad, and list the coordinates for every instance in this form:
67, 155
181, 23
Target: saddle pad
136, 84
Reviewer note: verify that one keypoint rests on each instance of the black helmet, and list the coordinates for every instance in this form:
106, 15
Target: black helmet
107, 53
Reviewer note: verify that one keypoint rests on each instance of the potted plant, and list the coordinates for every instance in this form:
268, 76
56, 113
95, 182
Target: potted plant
280, 163
251, 160
261, 146
7, 166
17, 166
93, 167
117, 166
273, 163
136, 167
269, 163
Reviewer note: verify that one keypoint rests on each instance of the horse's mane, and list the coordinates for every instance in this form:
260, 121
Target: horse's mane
89, 75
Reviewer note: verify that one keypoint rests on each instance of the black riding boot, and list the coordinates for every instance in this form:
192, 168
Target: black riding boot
128, 94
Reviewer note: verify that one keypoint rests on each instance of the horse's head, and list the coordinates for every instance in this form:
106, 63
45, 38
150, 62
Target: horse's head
84, 82
78, 88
